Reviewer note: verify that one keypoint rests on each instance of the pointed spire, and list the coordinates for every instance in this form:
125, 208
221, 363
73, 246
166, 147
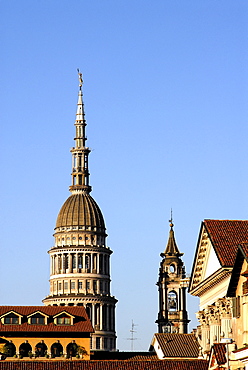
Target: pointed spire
171, 247
80, 153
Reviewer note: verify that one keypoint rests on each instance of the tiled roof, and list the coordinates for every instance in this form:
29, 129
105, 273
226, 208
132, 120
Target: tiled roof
120, 355
178, 345
81, 321
105, 365
219, 352
226, 235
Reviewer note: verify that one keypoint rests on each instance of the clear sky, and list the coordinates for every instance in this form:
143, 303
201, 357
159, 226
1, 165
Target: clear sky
165, 92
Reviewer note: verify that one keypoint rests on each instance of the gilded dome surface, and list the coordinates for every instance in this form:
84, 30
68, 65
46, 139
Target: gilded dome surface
81, 210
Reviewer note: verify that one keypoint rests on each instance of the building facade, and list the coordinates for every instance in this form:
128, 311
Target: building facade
219, 279
80, 258
172, 285
45, 331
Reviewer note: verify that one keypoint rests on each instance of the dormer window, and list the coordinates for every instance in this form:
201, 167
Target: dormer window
64, 319
11, 318
37, 318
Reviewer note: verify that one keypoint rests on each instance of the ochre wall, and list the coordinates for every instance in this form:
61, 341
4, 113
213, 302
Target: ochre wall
83, 342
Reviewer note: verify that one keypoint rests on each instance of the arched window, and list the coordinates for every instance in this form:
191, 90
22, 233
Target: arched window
65, 261
172, 268
72, 349
24, 349
9, 349
40, 349
89, 310
87, 261
167, 328
80, 261
172, 301
56, 349
73, 261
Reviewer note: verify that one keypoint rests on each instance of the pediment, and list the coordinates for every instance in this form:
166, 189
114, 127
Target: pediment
37, 313
206, 261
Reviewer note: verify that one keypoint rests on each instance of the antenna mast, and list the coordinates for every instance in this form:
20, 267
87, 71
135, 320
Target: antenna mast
132, 331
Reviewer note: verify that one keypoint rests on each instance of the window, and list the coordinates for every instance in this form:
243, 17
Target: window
64, 320
73, 285
80, 285
59, 286
105, 343
66, 285
38, 319
74, 261
87, 285
167, 328
172, 268
87, 261
236, 306
172, 301
98, 342
95, 286
11, 319
80, 262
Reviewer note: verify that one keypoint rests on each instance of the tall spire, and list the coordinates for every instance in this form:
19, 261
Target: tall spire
171, 248
80, 153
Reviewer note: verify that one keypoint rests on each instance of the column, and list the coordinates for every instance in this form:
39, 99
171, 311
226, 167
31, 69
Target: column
93, 315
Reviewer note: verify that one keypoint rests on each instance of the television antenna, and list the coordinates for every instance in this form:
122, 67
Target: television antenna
132, 331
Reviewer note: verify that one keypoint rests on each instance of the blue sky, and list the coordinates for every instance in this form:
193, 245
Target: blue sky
165, 92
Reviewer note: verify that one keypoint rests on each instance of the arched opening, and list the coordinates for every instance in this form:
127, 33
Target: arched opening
9, 349
56, 349
71, 349
172, 268
89, 310
167, 328
172, 301
87, 262
24, 349
40, 349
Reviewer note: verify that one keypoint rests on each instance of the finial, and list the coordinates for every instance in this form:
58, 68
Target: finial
171, 220
80, 77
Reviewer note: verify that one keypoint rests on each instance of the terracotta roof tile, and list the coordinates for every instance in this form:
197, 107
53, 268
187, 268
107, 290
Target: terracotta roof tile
219, 350
178, 345
226, 235
81, 321
105, 365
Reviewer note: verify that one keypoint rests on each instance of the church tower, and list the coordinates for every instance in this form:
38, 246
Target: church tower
80, 258
172, 284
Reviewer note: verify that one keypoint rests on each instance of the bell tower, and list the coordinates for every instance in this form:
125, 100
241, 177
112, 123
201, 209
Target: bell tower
172, 284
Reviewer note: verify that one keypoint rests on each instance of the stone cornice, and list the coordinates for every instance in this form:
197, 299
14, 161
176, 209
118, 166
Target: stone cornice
211, 280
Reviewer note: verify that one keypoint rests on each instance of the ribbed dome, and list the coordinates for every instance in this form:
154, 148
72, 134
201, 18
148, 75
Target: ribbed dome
81, 210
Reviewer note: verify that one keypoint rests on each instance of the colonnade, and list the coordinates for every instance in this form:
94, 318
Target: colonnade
82, 262
102, 316
215, 323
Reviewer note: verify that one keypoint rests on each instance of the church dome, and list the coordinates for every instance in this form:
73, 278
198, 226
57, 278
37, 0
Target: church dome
81, 210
